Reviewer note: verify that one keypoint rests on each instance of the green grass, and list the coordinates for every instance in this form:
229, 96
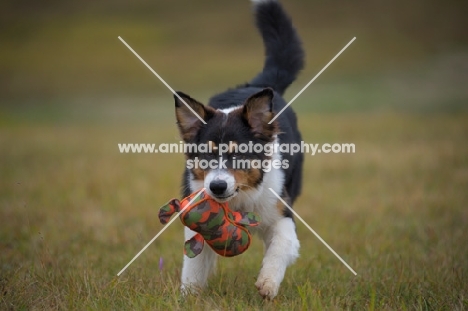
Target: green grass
73, 212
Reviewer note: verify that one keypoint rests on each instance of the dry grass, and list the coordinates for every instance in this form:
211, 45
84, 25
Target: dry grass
73, 212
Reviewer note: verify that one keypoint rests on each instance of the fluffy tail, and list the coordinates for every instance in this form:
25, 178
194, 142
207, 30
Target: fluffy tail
283, 48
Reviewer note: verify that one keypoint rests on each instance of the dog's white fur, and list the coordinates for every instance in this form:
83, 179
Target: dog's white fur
278, 233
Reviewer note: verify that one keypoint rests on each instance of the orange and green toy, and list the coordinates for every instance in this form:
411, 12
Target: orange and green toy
224, 230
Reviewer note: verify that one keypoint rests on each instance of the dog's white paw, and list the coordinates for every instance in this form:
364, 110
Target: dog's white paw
190, 289
267, 288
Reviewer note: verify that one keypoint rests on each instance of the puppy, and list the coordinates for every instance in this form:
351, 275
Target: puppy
241, 116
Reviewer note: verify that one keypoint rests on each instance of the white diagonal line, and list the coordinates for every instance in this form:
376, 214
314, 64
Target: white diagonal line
313, 79
159, 233
315, 233
162, 80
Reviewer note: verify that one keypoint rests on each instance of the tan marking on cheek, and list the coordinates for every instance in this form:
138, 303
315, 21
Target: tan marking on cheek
254, 177
241, 179
198, 173
246, 179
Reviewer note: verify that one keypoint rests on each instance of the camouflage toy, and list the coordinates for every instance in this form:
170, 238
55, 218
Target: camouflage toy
223, 230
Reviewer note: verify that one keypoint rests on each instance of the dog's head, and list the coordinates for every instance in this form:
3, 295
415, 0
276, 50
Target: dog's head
221, 163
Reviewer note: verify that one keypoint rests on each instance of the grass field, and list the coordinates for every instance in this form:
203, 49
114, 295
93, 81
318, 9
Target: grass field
73, 212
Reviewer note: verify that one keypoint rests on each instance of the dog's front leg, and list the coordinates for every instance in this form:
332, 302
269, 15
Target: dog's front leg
195, 271
281, 250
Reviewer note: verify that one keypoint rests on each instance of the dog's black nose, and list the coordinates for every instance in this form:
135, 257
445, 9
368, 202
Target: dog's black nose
218, 186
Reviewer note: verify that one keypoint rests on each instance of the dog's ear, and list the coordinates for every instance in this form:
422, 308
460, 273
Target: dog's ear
258, 111
187, 118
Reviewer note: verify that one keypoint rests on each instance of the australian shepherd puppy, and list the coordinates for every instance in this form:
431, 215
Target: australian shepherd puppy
241, 116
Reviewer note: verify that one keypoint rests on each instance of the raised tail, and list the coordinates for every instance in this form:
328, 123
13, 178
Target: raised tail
284, 55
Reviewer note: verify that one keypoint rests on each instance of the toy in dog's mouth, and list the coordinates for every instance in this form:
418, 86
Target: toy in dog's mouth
223, 229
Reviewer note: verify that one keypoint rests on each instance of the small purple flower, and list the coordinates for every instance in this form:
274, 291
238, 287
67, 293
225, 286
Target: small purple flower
161, 261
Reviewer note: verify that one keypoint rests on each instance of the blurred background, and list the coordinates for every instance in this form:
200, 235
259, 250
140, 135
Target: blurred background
73, 210
410, 56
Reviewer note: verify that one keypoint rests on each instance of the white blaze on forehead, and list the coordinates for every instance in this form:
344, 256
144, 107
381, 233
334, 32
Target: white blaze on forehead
228, 110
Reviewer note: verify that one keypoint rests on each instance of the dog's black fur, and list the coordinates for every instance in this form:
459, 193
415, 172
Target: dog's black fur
242, 115
284, 60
